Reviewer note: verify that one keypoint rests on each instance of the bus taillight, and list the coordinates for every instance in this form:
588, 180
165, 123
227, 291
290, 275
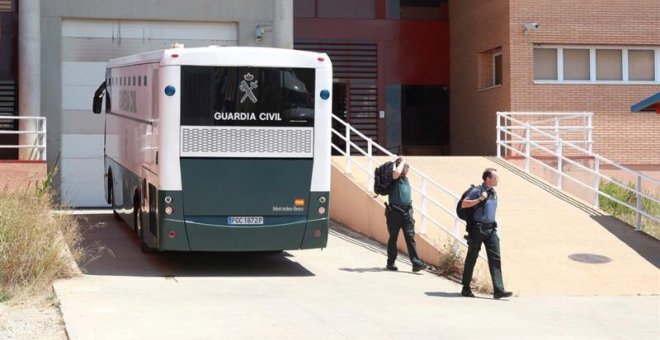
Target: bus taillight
317, 233
171, 234
321, 210
168, 210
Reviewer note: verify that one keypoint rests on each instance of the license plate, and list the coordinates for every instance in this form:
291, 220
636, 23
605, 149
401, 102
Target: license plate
241, 220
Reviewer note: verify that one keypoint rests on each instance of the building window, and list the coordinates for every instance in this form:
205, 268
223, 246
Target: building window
490, 68
641, 65
7, 6
575, 64
545, 63
608, 65
497, 68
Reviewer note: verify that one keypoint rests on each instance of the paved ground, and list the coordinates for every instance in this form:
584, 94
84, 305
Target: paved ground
544, 234
340, 292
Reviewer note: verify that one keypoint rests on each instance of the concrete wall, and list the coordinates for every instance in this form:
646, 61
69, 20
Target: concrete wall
245, 14
476, 28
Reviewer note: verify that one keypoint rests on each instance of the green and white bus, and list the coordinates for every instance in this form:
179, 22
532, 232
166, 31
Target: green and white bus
219, 148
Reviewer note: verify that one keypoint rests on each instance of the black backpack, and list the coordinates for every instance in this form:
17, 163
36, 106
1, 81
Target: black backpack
383, 179
465, 214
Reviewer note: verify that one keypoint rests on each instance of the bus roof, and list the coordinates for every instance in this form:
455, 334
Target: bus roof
227, 56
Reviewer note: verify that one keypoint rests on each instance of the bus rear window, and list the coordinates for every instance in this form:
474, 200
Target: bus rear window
247, 96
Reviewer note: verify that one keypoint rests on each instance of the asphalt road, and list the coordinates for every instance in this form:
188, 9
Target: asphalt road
341, 292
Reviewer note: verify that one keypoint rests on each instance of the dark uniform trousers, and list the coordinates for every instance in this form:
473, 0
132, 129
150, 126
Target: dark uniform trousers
479, 233
400, 218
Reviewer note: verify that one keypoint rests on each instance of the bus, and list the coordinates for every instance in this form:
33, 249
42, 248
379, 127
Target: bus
219, 148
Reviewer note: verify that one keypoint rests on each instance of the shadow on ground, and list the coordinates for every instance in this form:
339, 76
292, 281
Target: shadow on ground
114, 249
644, 245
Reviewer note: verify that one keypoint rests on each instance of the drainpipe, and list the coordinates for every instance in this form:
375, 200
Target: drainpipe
283, 24
29, 73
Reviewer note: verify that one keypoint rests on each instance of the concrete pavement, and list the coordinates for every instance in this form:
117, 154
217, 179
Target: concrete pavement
548, 239
341, 292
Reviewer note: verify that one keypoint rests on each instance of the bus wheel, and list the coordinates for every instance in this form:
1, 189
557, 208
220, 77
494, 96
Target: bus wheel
139, 229
111, 194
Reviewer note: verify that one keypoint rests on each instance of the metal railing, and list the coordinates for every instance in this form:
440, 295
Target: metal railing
573, 127
38, 147
522, 139
427, 183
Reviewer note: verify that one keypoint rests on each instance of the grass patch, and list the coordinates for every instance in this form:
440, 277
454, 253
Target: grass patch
451, 262
626, 214
4, 297
36, 246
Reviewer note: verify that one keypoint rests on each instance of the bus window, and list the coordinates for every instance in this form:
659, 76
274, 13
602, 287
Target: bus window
247, 96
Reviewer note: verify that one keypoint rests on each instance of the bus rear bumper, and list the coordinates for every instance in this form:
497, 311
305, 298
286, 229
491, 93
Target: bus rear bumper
213, 234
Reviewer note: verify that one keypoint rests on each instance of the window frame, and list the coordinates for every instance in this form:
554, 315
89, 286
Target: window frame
592, 65
494, 56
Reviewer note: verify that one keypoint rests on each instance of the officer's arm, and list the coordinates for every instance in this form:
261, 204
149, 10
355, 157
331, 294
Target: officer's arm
397, 170
469, 203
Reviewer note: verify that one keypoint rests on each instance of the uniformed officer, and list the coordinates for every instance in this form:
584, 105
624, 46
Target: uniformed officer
482, 228
399, 215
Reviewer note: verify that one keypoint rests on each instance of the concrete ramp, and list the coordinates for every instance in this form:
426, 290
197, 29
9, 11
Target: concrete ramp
552, 244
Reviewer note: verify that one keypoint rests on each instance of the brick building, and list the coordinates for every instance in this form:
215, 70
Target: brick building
533, 55
418, 76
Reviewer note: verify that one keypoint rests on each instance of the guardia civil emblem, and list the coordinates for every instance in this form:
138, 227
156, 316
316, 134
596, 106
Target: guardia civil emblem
246, 86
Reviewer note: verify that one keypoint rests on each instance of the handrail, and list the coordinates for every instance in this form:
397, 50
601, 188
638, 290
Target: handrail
39, 145
422, 188
559, 127
505, 123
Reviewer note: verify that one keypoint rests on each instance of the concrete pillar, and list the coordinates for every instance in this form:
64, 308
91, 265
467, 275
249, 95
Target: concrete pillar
29, 73
283, 24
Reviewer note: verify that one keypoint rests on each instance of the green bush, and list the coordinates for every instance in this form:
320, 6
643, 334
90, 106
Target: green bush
626, 214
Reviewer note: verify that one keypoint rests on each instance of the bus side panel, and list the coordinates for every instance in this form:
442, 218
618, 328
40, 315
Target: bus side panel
322, 131
125, 184
169, 113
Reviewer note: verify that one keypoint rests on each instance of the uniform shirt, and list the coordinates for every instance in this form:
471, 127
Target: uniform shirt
400, 194
485, 213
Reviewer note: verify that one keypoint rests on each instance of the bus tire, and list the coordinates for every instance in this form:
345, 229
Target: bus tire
139, 229
111, 197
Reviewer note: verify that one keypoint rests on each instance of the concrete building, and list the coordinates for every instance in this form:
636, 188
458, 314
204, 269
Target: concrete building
418, 76
78, 37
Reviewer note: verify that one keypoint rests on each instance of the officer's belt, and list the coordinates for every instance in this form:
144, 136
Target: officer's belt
401, 208
487, 225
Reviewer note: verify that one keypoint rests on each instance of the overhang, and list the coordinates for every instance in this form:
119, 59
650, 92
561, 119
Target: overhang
651, 104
